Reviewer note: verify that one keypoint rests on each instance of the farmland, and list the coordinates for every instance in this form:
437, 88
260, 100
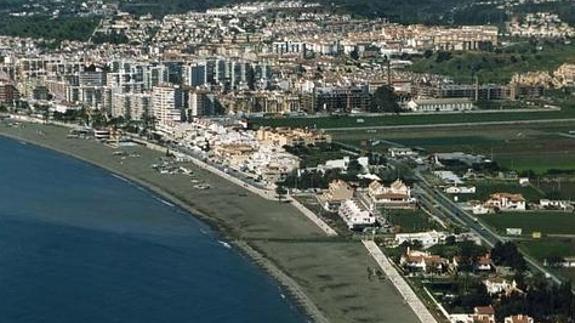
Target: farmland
519, 147
541, 249
333, 122
546, 222
410, 220
486, 188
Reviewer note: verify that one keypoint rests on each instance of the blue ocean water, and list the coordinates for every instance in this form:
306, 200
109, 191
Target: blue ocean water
80, 245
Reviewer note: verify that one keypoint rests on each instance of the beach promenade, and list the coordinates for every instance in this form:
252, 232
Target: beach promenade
266, 194
399, 282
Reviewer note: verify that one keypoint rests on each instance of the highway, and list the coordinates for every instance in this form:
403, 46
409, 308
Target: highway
438, 202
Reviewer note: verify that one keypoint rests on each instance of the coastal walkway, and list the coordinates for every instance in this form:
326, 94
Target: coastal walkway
313, 217
269, 195
399, 282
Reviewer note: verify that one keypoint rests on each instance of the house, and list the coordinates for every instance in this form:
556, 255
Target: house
427, 239
460, 189
498, 285
423, 261
484, 314
520, 318
481, 314
338, 192
343, 164
506, 202
476, 207
397, 152
524, 181
356, 215
555, 204
448, 177
397, 195
484, 263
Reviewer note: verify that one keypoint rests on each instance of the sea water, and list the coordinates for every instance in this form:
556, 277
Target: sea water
78, 244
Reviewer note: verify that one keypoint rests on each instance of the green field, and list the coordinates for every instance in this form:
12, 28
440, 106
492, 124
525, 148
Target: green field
497, 66
486, 188
559, 188
407, 119
410, 220
537, 147
547, 222
544, 248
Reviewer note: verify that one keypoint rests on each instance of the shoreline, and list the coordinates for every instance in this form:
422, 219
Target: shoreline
298, 298
323, 276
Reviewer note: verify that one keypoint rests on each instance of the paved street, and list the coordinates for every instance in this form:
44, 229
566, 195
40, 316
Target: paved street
438, 202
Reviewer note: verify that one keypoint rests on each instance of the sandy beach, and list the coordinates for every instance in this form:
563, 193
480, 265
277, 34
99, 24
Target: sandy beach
327, 276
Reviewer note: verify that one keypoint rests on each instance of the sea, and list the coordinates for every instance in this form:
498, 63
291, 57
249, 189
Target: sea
79, 244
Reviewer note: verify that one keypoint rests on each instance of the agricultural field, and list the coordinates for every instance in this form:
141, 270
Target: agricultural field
333, 122
486, 188
544, 248
538, 148
410, 220
559, 187
546, 222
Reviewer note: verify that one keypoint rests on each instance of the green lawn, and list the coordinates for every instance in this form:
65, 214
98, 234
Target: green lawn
547, 222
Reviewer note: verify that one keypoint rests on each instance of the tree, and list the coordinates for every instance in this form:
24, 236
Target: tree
385, 100
281, 192
506, 254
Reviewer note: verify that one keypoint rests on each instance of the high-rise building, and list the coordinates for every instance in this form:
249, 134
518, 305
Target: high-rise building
196, 74
201, 103
168, 104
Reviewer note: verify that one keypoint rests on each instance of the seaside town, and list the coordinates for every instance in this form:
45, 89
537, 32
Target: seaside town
448, 151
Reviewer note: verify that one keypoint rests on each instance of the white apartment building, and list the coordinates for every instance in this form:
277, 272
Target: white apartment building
356, 215
167, 103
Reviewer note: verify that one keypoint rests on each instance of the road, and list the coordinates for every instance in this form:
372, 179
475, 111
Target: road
444, 125
439, 202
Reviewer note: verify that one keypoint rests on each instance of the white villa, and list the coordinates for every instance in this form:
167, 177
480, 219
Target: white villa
499, 285
506, 202
460, 189
427, 239
423, 261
